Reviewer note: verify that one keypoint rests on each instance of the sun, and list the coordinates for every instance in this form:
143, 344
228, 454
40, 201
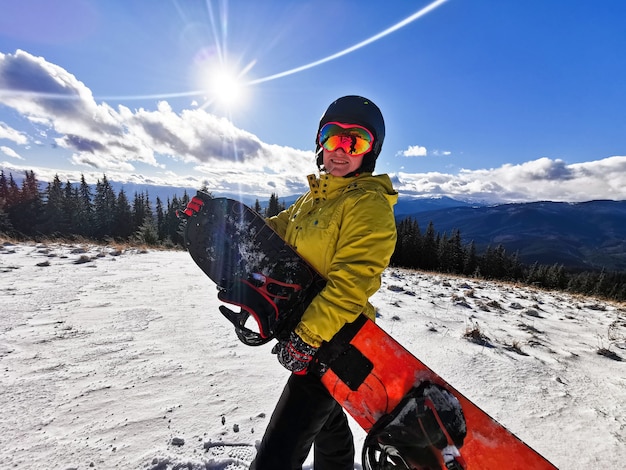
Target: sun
226, 87
223, 84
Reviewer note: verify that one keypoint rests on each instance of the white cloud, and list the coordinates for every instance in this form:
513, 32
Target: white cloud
107, 138
10, 152
542, 179
9, 133
414, 151
100, 137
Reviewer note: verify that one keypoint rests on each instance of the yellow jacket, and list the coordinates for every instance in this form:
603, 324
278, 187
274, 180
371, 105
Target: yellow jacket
345, 228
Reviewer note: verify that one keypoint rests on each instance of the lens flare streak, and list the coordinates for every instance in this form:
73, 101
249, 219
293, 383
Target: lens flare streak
350, 49
222, 53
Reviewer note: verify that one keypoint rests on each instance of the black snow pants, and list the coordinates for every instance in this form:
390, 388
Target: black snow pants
306, 414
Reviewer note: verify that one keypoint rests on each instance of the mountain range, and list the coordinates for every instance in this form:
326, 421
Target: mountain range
583, 235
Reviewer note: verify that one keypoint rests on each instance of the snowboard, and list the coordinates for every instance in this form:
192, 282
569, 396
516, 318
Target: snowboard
386, 389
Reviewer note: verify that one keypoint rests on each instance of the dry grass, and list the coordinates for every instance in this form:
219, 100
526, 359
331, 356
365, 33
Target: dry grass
475, 335
112, 245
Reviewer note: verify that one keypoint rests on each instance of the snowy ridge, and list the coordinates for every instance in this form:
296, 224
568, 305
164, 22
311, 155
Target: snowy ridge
120, 359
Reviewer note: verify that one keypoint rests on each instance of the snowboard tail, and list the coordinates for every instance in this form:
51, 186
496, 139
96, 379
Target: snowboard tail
395, 372
387, 390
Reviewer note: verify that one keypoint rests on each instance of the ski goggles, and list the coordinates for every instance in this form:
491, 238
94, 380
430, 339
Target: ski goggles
353, 139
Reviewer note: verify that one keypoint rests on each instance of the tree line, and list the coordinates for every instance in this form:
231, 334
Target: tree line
69, 210
433, 251
66, 210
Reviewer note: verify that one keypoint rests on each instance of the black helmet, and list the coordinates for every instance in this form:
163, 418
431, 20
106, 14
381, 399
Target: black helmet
356, 110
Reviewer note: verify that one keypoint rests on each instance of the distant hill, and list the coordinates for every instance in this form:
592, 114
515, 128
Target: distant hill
409, 205
586, 235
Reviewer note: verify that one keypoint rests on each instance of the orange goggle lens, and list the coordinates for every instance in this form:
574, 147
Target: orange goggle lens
355, 140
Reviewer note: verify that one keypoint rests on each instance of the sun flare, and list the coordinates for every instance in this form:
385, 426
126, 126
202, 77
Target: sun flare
226, 88
224, 85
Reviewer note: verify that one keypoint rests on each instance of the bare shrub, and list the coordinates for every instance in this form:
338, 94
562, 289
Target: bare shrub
475, 335
83, 259
516, 347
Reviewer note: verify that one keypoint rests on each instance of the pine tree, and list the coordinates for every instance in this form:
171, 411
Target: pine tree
495, 264
444, 254
409, 250
11, 203
451, 253
160, 219
84, 217
122, 224
54, 220
171, 222
25, 205
6, 227
147, 233
470, 260
104, 208
149, 213
273, 207
429, 250
142, 211
4, 190
138, 211
70, 207
13, 193
457, 256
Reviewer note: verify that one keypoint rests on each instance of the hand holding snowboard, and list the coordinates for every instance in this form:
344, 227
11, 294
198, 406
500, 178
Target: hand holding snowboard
295, 355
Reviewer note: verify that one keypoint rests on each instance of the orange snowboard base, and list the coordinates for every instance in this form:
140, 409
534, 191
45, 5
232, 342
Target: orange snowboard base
393, 372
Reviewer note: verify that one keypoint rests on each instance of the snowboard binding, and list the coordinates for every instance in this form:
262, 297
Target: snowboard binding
257, 296
424, 432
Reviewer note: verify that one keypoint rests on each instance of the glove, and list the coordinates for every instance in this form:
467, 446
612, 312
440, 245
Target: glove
295, 354
193, 207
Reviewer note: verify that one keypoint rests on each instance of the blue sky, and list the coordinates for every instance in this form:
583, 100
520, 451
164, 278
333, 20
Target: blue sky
490, 100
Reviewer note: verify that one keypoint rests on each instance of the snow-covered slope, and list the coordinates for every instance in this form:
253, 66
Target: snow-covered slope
121, 360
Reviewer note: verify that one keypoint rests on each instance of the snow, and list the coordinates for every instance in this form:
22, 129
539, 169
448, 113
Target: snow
120, 359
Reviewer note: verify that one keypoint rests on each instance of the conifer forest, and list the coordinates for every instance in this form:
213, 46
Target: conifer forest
70, 211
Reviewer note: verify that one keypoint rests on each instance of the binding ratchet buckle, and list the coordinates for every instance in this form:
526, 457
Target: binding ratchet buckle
424, 432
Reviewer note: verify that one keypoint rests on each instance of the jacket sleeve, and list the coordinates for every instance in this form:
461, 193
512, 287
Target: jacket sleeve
280, 221
366, 241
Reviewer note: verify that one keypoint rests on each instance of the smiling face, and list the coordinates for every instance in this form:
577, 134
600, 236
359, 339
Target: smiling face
339, 163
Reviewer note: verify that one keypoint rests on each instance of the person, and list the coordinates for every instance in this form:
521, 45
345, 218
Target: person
344, 227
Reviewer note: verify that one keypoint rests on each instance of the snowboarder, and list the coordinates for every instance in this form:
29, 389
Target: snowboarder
344, 226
